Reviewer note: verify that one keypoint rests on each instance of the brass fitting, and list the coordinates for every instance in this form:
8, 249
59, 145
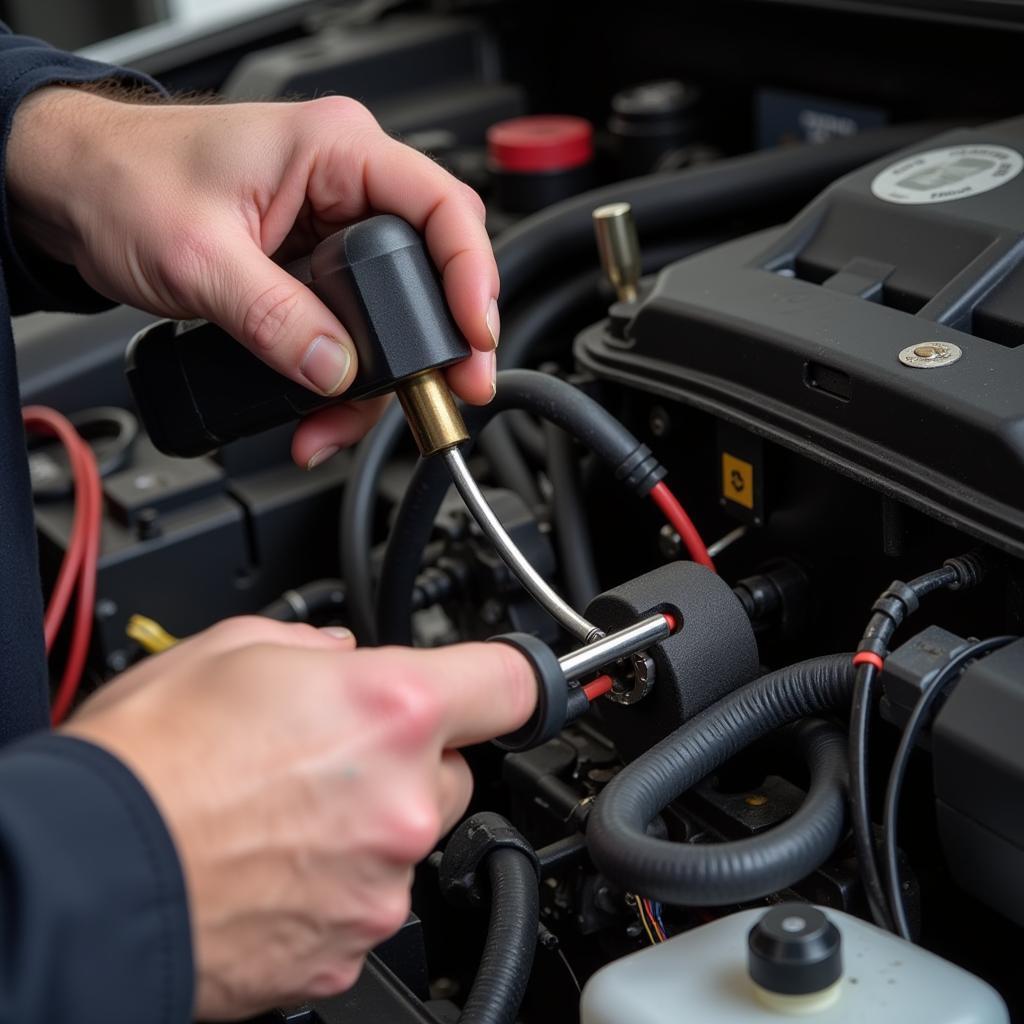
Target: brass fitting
619, 248
434, 418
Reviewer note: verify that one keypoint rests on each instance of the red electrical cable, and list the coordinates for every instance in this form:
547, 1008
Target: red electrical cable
869, 658
78, 567
598, 687
681, 523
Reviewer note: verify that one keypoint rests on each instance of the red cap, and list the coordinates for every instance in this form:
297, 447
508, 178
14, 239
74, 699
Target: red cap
543, 142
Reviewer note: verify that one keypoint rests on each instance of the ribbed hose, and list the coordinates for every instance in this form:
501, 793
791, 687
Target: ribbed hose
507, 959
724, 873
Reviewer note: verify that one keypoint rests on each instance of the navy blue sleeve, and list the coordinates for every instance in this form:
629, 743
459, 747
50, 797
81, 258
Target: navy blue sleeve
94, 925
26, 64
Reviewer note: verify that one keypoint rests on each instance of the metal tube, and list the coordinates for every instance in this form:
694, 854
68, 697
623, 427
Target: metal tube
614, 647
535, 584
618, 248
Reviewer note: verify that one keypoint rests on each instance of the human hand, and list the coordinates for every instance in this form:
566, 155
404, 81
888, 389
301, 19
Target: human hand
301, 780
177, 209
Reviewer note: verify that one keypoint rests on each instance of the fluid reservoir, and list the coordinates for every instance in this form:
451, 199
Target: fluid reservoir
793, 961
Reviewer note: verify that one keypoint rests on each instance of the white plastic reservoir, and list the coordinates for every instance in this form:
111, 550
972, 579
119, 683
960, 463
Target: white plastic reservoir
703, 976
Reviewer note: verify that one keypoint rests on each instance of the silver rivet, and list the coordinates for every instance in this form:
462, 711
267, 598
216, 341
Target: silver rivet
929, 354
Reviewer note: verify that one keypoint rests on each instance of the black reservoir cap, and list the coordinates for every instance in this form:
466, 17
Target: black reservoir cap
795, 950
197, 388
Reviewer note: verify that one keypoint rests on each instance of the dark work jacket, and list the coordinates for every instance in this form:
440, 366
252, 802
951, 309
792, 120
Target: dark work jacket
94, 924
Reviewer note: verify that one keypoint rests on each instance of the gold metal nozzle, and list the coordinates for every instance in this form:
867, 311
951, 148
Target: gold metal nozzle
434, 418
619, 248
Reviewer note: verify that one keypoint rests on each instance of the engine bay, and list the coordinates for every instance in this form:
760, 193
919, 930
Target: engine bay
759, 427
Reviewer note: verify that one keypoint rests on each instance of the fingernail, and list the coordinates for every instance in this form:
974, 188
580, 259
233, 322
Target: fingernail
322, 455
493, 321
338, 632
326, 364
494, 374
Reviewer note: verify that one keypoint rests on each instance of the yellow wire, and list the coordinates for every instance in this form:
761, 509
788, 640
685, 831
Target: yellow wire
149, 635
643, 920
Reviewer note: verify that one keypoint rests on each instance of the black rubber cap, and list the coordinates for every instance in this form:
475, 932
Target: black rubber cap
795, 950
548, 718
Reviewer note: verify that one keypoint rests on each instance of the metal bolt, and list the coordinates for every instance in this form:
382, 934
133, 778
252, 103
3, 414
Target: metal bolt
117, 661
929, 354
642, 680
670, 544
491, 612
658, 421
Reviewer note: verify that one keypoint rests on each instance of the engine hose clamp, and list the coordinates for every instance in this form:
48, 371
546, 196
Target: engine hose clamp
469, 847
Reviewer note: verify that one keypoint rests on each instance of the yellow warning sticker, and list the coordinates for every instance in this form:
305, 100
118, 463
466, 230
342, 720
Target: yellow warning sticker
737, 480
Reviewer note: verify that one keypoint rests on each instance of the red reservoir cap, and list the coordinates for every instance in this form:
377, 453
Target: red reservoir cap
541, 142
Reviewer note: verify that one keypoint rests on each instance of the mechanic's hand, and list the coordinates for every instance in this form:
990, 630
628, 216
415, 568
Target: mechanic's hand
177, 209
301, 781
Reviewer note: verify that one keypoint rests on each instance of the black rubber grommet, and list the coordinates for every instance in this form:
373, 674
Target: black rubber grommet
469, 846
548, 718
795, 950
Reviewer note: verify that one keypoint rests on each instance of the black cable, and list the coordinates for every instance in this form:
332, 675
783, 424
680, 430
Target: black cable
718, 874
507, 959
305, 603
570, 520
919, 717
860, 801
552, 399
888, 612
355, 541
508, 467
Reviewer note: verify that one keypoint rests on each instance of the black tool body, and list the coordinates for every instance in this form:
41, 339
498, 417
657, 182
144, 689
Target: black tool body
197, 388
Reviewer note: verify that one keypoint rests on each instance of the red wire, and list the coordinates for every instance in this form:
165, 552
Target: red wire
869, 658
598, 687
681, 523
78, 567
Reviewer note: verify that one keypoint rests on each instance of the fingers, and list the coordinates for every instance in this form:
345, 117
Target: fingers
326, 432
483, 690
279, 319
455, 788
398, 179
474, 378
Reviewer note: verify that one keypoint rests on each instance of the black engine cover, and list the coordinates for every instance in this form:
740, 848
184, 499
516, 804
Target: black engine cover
796, 333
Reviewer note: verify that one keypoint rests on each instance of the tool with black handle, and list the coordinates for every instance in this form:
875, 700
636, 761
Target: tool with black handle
198, 389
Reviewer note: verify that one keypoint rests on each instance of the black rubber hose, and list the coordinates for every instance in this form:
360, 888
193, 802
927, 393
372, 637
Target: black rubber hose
548, 397
724, 873
570, 520
664, 203
303, 604
355, 540
508, 467
504, 971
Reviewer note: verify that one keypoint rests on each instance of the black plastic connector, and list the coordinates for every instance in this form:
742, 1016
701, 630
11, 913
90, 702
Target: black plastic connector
469, 847
640, 471
550, 714
197, 388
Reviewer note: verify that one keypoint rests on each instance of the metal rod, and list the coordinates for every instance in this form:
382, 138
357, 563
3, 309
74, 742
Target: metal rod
535, 584
614, 647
